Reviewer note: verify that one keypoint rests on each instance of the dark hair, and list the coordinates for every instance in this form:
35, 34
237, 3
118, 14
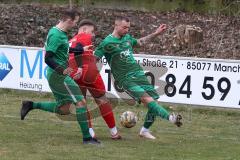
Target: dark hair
87, 22
122, 18
69, 13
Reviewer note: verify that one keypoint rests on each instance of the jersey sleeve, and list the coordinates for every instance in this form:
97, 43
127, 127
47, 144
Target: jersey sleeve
99, 52
52, 44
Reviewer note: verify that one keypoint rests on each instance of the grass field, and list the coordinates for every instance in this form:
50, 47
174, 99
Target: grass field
207, 134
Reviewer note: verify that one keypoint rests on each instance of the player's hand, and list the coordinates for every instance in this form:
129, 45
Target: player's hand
78, 74
161, 29
88, 48
67, 71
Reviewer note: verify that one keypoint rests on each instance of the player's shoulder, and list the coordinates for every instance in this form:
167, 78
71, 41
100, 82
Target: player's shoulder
109, 40
105, 41
54, 32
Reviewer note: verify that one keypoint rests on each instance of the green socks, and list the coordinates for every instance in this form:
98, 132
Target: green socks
154, 109
83, 121
149, 119
81, 114
46, 106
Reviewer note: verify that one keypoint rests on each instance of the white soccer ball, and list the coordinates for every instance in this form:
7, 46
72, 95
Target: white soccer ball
128, 119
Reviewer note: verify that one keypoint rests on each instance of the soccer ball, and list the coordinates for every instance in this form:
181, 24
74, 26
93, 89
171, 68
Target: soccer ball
128, 119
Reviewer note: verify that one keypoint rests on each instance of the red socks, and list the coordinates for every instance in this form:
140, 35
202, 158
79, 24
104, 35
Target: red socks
107, 114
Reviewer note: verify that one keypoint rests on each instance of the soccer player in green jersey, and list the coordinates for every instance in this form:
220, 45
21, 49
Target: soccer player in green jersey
64, 89
128, 74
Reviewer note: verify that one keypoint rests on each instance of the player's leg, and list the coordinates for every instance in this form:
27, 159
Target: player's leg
81, 110
154, 108
97, 90
65, 91
137, 92
56, 84
83, 89
27, 106
139, 88
108, 116
59, 107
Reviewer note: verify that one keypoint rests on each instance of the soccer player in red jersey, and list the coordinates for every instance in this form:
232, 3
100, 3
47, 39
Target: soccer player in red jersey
88, 76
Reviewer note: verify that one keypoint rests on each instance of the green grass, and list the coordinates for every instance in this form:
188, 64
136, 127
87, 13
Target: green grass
207, 134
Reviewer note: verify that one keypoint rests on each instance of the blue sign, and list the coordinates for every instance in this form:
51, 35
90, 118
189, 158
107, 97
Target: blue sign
26, 70
5, 66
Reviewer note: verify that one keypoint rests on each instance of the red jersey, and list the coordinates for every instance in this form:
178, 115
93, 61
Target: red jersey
85, 40
90, 73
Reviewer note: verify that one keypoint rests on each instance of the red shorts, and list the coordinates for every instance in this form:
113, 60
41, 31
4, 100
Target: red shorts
96, 88
90, 79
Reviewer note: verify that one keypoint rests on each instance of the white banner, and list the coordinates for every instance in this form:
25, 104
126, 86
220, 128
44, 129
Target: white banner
198, 81
23, 68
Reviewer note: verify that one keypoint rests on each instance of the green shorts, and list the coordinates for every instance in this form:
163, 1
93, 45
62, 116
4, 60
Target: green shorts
64, 88
136, 86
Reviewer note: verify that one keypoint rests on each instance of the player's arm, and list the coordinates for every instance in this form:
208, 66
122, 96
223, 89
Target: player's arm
99, 52
52, 44
77, 50
142, 41
49, 60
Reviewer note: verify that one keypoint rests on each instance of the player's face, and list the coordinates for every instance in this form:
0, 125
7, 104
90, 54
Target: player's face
72, 23
123, 28
90, 30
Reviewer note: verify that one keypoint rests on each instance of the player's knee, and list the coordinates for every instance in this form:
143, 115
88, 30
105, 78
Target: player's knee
96, 93
146, 99
81, 104
64, 109
101, 100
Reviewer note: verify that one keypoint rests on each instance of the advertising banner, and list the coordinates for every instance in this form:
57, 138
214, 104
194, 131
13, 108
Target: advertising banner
196, 81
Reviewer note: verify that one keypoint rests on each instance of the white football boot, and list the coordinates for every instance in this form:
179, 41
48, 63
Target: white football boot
176, 119
114, 134
145, 133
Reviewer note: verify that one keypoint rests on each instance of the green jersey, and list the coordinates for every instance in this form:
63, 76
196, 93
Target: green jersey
119, 55
57, 42
64, 88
